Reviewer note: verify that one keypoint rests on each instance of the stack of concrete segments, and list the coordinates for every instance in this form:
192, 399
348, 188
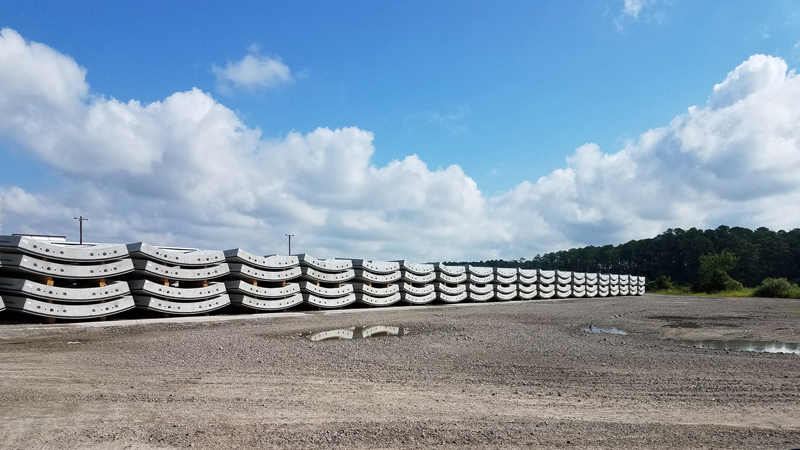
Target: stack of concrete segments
545, 283
505, 283
450, 283
603, 281
526, 283
578, 284
591, 285
613, 284
262, 283
63, 281
376, 282
563, 284
480, 287
417, 282
641, 283
324, 282
177, 281
624, 286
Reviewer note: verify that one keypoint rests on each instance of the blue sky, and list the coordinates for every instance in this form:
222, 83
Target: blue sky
504, 90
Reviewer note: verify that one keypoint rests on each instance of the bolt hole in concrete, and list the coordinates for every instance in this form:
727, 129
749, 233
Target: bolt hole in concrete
739, 345
357, 333
593, 329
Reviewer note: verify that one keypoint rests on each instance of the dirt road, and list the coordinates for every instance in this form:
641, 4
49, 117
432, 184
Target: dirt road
499, 375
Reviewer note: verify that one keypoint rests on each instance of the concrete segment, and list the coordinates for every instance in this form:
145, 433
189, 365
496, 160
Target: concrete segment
146, 268
266, 304
68, 311
26, 288
149, 288
63, 252
271, 262
21, 263
179, 257
244, 271
177, 307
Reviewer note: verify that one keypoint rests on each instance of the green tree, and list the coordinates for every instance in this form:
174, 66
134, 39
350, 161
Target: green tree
712, 276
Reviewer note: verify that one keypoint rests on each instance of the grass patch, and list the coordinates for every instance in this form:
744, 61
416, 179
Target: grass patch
744, 292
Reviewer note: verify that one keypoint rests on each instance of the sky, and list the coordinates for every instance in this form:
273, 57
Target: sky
448, 130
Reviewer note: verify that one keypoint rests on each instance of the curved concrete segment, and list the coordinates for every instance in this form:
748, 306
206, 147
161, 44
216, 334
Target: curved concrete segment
450, 270
624, 289
149, 288
450, 290
499, 279
480, 271
451, 298
70, 311
613, 290
480, 289
376, 291
578, 291
529, 275
379, 267
2, 304
526, 295
328, 292
448, 278
310, 273
545, 290
154, 269
371, 300
578, 278
327, 265
376, 277
563, 290
603, 279
181, 307
546, 276
526, 288
179, 257
591, 291
324, 302
63, 252
623, 279
415, 268
412, 299
563, 277
613, 279
251, 290
510, 295
253, 273
603, 291
266, 304
507, 271
19, 262
413, 277
591, 278
416, 290
27, 288
478, 279
475, 297
642, 281
271, 262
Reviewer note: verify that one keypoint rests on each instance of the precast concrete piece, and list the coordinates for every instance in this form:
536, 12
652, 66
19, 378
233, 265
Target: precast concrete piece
500, 279
325, 302
506, 272
603, 279
161, 305
578, 290
26, 288
506, 295
416, 268
546, 288
563, 277
563, 290
641, 290
450, 290
545, 294
507, 289
591, 291
22, 263
613, 279
261, 292
447, 278
642, 281
623, 279
77, 253
529, 275
371, 300
2, 304
176, 257
450, 270
264, 304
527, 295
68, 311
327, 292
546, 276
416, 290
527, 280
412, 299
271, 262
478, 279
480, 289
633, 280
310, 273
326, 265
412, 277
578, 278
603, 291
526, 288
245, 271
147, 268
451, 298
379, 267
591, 278
480, 271
376, 291
149, 288
364, 275
613, 290
624, 289
475, 297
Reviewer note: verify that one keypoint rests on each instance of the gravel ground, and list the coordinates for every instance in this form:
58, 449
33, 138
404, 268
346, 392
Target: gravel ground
498, 375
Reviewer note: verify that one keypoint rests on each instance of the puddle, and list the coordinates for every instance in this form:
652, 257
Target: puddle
593, 329
744, 346
357, 333
694, 322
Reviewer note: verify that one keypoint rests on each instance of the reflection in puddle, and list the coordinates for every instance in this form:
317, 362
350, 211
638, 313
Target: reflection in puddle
745, 346
593, 329
358, 333
695, 322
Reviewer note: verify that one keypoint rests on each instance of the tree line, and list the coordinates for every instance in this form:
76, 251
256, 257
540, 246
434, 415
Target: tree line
761, 253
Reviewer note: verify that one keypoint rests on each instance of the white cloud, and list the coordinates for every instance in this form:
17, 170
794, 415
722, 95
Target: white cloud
254, 72
453, 122
632, 8
188, 171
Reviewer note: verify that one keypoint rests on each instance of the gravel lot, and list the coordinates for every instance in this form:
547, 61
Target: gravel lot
498, 375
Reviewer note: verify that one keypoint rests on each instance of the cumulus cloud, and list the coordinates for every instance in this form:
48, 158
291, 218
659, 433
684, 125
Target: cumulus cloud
254, 72
188, 171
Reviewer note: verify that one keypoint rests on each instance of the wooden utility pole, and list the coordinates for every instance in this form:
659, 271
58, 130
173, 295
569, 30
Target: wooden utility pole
80, 220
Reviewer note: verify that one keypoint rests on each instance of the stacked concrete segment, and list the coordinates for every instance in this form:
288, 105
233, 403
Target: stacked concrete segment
417, 285
545, 283
325, 281
527, 283
505, 284
376, 282
177, 281
450, 283
480, 283
263, 283
63, 281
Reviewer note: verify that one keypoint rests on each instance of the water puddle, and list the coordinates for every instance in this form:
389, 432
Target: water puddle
744, 345
593, 329
695, 322
357, 333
